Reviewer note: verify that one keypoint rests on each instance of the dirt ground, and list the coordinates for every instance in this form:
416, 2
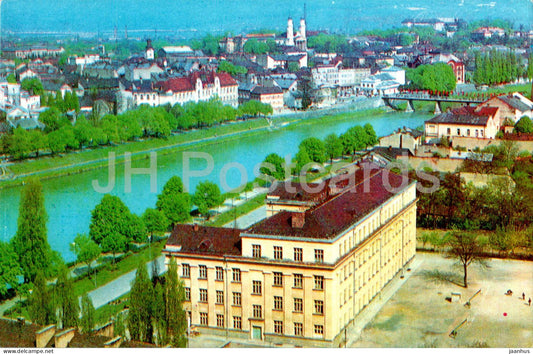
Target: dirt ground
419, 315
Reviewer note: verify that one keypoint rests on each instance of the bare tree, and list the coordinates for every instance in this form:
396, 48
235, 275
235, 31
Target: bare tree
466, 247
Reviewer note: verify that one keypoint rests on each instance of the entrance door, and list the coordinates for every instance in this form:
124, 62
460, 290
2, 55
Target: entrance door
256, 333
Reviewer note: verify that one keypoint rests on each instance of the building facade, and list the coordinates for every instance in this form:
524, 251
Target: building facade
301, 275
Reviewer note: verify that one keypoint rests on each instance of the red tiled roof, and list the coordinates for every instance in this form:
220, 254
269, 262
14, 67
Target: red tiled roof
466, 115
206, 240
334, 215
175, 84
180, 84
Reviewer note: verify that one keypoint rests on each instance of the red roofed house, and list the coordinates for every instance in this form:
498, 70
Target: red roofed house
457, 65
304, 273
475, 122
513, 106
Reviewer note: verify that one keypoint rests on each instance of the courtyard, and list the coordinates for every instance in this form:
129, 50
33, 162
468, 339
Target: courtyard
423, 312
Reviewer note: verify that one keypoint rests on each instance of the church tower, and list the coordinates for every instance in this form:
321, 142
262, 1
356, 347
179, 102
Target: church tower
303, 29
149, 53
290, 32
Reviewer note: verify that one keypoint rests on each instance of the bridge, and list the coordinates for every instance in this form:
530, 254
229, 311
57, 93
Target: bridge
425, 96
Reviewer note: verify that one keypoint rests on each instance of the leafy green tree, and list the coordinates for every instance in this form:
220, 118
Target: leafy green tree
120, 328
9, 268
156, 221
40, 307
11, 78
86, 250
301, 159
32, 85
333, 145
207, 196
524, 125
113, 226
88, 314
437, 77
31, 240
315, 149
174, 202
18, 144
255, 47
38, 141
176, 318
159, 315
371, 136
66, 301
53, 119
231, 69
529, 72
141, 303
279, 167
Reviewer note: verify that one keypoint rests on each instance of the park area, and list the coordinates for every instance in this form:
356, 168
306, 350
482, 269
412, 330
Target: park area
424, 312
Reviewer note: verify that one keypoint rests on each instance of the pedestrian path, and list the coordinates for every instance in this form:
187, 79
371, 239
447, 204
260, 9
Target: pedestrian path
121, 285
249, 219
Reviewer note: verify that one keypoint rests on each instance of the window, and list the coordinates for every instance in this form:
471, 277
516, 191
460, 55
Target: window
298, 305
468, 132
448, 131
278, 252
187, 294
256, 251
220, 320
203, 318
203, 295
278, 303
319, 282
298, 280
256, 287
236, 275
237, 322
319, 329
220, 297
236, 299
319, 307
298, 254
298, 329
186, 270
319, 256
257, 311
278, 279
203, 271
278, 327
220, 273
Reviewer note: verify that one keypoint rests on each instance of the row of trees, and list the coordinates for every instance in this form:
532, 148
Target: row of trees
319, 151
497, 67
60, 135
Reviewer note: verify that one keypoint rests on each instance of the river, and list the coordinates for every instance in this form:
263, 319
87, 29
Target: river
70, 199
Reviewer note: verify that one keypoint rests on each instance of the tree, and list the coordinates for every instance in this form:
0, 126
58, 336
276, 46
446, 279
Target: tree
155, 221
333, 146
174, 202
31, 240
159, 314
53, 119
18, 144
141, 302
315, 149
207, 196
112, 224
524, 125
279, 167
9, 268
372, 137
466, 247
86, 250
301, 159
437, 77
66, 301
11, 78
32, 85
231, 69
40, 302
88, 315
176, 318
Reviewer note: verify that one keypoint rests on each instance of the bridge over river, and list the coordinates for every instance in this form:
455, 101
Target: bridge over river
424, 96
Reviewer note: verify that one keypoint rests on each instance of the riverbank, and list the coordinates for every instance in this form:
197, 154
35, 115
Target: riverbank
91, 159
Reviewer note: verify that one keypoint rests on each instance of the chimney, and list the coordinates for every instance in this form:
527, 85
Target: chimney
298, 220
196, 227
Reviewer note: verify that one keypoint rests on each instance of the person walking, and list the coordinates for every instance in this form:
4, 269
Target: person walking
529, 301
523, 296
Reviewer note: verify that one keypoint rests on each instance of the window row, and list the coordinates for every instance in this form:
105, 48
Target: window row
278, 253
278, 325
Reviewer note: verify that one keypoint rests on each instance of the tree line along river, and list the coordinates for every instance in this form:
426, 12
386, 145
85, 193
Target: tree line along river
69, 200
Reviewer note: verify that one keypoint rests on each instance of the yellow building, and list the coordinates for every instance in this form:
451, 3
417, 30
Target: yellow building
301, 275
